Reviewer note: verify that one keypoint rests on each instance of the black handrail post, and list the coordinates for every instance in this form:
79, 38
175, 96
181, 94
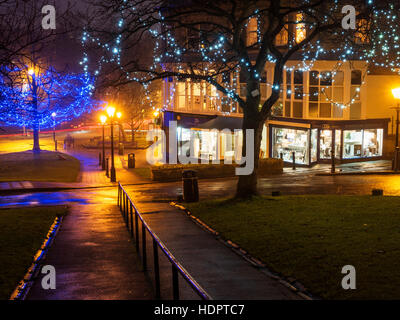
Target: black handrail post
137, 230
127, 212
175, 283
131, 209
119, 192
156, 269
144, 246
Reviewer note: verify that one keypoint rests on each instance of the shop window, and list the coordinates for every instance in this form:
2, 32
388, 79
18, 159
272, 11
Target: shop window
285, 141
325, 144
372, 144
314, 145
352, 144
338, 143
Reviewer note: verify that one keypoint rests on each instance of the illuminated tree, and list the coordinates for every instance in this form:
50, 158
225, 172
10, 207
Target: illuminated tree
213, 41
37, 97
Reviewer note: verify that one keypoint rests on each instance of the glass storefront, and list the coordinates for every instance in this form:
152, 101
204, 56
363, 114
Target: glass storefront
362, 143
286, 141
325, 144
315, 145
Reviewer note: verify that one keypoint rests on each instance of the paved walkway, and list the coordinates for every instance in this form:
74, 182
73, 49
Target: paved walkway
94, 256
222, 273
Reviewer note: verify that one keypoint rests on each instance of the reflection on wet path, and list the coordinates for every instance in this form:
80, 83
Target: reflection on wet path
82, 197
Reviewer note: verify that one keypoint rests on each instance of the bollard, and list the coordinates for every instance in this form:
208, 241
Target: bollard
190, 186
107, 167
131, 160
55, 145
333, 168
294, 160
377, 192
281, 155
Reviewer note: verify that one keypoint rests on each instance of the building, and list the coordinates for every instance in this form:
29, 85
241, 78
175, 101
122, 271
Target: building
326, 106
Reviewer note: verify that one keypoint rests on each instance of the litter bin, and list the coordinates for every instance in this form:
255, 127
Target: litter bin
121, 149
131, 160
190, 186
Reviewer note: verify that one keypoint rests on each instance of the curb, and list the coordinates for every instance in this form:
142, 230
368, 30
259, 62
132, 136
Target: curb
22, 290
357, 173
292, 284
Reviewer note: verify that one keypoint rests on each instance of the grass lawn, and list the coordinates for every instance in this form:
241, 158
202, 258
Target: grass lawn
45, 166
143, 172
310, 238
22, 232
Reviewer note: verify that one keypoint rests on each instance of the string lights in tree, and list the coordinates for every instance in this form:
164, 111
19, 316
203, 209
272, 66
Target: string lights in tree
37, 97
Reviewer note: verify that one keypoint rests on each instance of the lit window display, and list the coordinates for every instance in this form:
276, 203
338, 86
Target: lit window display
372, 145
352, 144
286, 141
338, 143
314, 145
362, 143
325, 144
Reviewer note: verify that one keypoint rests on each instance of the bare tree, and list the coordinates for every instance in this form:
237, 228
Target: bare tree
206, 40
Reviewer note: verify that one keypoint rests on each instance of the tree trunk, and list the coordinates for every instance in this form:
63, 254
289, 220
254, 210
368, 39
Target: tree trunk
36, 145
247, 185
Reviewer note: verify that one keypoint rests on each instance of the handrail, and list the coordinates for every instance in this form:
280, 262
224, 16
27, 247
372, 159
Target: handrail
127, 207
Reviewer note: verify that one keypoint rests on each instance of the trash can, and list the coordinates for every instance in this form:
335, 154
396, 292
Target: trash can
190, 186
121, 149
131, 160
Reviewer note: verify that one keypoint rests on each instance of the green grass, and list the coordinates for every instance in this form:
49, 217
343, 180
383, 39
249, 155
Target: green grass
310, 238
22, 232
45, 166
143, 172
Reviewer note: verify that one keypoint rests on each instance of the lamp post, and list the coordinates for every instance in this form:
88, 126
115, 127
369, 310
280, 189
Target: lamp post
396, 95
111, 113
103, 120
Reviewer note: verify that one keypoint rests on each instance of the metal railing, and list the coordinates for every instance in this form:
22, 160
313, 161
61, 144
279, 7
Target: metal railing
132, 217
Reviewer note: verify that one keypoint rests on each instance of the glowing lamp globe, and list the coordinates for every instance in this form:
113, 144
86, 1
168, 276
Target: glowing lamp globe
111, 111
396, 93
119, 115
103, 119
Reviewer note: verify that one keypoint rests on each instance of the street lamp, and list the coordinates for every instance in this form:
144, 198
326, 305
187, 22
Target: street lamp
396, 95
111, 113
103, 120
119, 115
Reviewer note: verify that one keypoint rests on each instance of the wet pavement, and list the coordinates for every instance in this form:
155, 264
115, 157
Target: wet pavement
93, 254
